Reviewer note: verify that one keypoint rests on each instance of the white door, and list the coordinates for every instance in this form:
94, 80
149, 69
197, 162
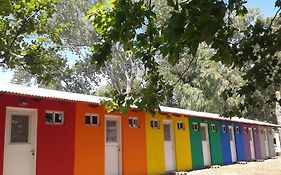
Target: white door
232, 143
252, 145
112, 146
20, 142
169, 146
266, 142
205, 144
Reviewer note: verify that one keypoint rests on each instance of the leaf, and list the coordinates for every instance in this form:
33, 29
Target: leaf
171, 3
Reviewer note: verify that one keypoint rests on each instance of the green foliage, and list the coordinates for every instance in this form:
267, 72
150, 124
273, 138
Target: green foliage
250, 47
25, 40
139, 36
134, 26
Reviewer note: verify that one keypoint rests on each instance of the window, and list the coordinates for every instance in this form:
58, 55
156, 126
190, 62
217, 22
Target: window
133, 122
167, 132
180, 126
87, 120
270, 131
95, 120
237, 129
19, 129
213, 128
111, 131
224, 128
245, 130
255, 130
91, 119
261, 131
231, 134
195, 126
154, 124
54, 118
203, 132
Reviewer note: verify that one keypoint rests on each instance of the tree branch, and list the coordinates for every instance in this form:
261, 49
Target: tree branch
274, 17
21, 28
184, 72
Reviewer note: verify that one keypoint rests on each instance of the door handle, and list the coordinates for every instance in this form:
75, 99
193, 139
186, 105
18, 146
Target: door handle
32, 152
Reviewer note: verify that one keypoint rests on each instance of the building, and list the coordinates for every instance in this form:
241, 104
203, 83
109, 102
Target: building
47, 132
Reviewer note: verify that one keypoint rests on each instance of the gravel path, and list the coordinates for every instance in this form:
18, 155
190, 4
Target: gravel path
268, 167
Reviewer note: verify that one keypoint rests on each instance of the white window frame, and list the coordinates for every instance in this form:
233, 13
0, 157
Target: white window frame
135, 122
91, 119
270, 131
214, 128
54, 117
255, 130
180, 126
154, 121
246, 130
237, 129
195, 126
224, 128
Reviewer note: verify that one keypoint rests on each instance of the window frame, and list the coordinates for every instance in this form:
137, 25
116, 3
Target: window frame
246, 130
224, 128
255, 130
180, 125
54, 117
237, 129
154, 123
195, 126
270, 131
134, 124
214, 128
91, 119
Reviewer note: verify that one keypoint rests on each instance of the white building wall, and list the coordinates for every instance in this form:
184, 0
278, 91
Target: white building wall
278, 115
278, 144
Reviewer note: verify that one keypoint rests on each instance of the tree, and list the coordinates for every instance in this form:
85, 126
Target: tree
199, 82
134, 25
77, 37
25, 40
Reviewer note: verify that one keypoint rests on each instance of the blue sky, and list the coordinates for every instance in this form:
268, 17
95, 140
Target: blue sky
266, 7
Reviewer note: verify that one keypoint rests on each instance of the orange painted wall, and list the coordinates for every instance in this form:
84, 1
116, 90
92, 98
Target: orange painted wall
134, 145
89, 142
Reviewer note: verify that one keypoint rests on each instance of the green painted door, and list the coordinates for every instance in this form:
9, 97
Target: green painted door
215, 142
196, 143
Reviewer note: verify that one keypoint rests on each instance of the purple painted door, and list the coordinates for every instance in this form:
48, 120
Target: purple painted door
257, 142
246, 140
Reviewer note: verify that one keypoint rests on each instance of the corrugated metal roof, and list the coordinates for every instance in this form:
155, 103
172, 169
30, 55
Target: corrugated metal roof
48, 93
61, 95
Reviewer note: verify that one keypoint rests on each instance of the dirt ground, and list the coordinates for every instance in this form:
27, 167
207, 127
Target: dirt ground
268, 167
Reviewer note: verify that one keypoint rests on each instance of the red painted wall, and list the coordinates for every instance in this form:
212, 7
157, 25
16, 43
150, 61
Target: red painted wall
55, 143
2, 131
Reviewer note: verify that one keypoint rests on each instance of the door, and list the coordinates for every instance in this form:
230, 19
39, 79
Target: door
20, 142
169, 146
266, 142
232, 143
205, 144
112, 146
252, 147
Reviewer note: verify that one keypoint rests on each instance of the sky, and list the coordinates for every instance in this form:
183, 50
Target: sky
266, 7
